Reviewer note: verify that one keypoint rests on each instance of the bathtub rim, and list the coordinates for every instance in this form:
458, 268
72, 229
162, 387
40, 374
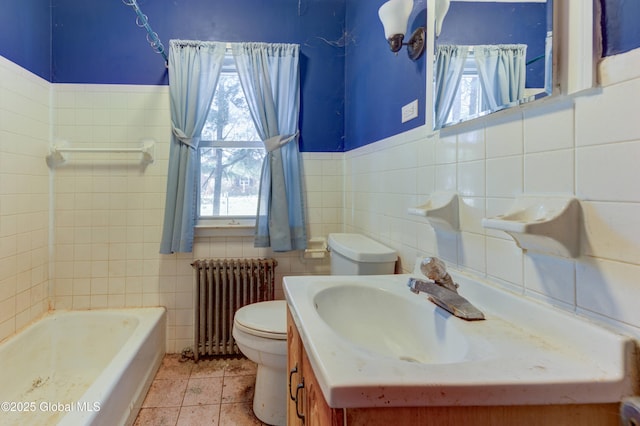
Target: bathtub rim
132, 368
128, 414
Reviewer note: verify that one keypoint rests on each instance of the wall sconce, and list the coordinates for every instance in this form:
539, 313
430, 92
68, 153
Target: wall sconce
394, 15
442, 7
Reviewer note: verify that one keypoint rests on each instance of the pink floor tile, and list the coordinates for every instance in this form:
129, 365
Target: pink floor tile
165, 393
210, 392
238, 388
238, 414
173, 368
157, 416
205, 415
208, 368
203, 391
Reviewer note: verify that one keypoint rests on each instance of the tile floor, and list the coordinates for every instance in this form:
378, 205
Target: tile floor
210, 392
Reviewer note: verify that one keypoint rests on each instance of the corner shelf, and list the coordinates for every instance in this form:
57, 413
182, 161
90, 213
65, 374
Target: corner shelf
441, 210
542, 224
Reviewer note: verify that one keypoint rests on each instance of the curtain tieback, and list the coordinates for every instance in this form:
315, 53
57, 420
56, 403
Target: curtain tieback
182, 137
276, 142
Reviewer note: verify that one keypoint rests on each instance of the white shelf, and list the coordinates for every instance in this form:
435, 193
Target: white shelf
56, 155
542, 224
441, 210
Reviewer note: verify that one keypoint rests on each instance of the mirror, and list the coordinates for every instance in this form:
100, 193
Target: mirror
489, 56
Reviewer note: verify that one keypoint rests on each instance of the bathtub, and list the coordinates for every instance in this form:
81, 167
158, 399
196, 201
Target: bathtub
81, 367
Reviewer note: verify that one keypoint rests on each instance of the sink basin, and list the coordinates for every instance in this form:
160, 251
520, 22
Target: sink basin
377, 320
373, 343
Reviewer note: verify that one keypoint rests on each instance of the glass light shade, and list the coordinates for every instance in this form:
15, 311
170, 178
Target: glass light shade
442, 7
394, 15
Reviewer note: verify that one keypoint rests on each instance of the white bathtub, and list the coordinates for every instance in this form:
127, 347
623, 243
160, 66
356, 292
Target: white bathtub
81, 367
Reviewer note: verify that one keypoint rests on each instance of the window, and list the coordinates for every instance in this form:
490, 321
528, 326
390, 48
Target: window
230, 155
468, 100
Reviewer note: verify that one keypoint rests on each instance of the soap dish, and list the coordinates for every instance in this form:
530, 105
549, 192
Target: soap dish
542, 224
441, 210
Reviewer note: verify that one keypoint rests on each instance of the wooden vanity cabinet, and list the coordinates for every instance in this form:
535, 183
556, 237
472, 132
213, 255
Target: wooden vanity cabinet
316, 412
305, 397
294, 368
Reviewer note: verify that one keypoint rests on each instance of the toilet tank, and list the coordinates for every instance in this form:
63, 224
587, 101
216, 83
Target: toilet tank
355, 254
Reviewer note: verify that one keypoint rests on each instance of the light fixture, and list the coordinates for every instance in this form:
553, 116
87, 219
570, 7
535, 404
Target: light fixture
442, 7
394, 15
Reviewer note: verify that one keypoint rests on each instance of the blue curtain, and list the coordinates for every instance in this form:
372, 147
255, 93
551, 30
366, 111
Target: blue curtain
449, 67
269, 74
194, 68
502, 71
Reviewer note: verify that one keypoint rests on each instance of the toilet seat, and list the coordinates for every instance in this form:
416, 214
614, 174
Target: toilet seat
263, 319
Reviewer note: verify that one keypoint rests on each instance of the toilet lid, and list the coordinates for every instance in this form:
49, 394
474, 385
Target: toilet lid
264, 319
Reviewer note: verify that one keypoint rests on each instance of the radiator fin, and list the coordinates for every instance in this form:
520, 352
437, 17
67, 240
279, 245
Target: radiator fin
222, 286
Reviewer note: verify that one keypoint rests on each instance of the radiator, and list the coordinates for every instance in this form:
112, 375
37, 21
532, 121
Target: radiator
222, 286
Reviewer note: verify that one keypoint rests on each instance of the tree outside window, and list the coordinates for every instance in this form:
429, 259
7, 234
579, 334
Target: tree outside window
231, 154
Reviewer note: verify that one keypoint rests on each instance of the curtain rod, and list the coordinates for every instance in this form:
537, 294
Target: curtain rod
143, 22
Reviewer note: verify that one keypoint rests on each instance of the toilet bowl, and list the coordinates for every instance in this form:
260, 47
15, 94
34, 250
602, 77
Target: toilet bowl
260, 329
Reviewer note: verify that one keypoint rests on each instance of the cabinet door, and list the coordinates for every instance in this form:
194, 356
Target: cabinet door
294, 367
303, 391
317, 411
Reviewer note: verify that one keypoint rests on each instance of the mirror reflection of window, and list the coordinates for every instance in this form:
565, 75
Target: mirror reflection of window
468, 99
472, 81
492, 23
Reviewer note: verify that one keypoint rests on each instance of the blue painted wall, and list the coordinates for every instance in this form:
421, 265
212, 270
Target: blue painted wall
99, 42
378, 82
500, 23
25, 34
352, 87
620, 26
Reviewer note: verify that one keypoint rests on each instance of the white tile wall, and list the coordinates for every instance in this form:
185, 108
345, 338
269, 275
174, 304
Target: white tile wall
106, 211
588, 146
24, 197
109, 210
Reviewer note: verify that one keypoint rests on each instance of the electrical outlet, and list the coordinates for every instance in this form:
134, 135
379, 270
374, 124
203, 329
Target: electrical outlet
410, 111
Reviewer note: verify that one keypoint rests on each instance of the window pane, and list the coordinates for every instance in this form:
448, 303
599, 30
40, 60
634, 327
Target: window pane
231, 153
229, 181
468, 99
229, 118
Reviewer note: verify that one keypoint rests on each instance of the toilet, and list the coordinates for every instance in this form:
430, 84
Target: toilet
260, 329
355, 254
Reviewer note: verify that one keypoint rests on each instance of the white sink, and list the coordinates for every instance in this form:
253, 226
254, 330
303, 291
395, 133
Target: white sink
384, 323
373, 343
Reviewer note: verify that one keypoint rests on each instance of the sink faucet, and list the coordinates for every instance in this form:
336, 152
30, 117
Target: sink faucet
435, 269
443, 291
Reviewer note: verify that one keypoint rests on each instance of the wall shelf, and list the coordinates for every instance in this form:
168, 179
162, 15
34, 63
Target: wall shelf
542, 224
441, 210
57, 152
